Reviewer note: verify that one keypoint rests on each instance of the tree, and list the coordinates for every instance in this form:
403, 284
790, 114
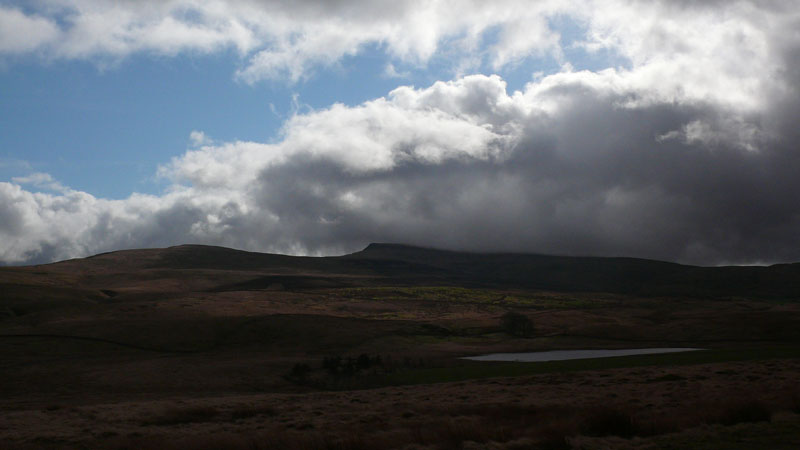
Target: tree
363, 362
517, 324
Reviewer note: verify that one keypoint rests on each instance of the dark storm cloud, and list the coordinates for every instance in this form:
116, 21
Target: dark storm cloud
592, 180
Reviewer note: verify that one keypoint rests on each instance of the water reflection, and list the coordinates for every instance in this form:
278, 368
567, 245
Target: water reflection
561, 355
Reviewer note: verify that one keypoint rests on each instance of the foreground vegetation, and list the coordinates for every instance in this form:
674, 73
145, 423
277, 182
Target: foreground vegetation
210, 348
667, 407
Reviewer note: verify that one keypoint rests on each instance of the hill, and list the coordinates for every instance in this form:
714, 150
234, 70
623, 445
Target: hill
592, 274
395, 264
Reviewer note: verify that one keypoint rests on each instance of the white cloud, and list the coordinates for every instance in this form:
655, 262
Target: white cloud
390, 71
21, 33
520, 39
42, 181
676, 51
198, 139
724, 51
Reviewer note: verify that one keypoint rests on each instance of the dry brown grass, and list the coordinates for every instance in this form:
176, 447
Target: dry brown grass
488, 426
548, 411
182, 415
247, 412
228, 391
548, 428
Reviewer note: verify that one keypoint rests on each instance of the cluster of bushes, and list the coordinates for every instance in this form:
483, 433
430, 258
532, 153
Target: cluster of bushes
517, 324
339, 366
336, 365
337, 371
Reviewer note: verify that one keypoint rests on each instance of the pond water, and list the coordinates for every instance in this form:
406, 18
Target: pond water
561, 355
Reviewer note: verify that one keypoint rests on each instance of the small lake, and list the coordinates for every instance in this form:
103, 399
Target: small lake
562, 355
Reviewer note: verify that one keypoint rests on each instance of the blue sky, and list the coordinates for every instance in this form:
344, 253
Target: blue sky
593, 127
104, 128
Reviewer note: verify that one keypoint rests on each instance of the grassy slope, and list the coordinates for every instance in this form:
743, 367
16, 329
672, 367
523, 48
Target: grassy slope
195, 321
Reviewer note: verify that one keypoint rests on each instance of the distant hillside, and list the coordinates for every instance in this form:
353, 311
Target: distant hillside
619, 275
222, 269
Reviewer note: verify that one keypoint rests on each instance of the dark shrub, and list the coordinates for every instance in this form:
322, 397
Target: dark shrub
363, 362
517, 324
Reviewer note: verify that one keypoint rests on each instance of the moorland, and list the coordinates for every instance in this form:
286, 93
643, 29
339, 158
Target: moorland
208, 347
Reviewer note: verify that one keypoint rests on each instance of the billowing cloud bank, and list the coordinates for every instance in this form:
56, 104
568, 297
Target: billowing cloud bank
690, 154
287, 39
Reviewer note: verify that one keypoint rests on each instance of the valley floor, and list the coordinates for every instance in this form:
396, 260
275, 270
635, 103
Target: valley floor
747, 404
210, 348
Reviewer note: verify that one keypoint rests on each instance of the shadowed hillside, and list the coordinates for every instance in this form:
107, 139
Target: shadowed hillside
394, 264
565, 273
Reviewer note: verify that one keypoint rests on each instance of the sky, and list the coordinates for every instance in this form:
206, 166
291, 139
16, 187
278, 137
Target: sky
656, 129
